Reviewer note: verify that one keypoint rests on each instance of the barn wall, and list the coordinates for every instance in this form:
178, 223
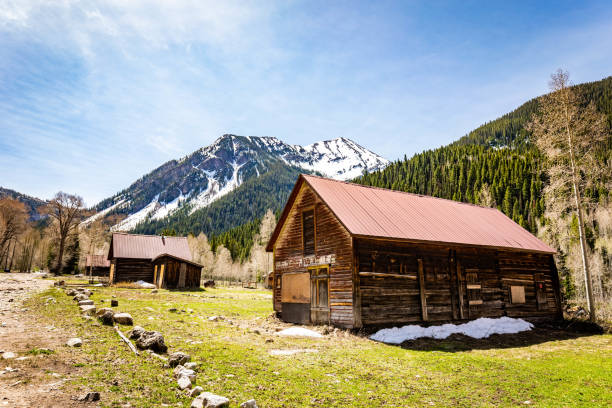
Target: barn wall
453, 283
172, 273
333, 245
132, 270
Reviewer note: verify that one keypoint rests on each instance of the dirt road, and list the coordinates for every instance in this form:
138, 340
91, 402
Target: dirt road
34, 362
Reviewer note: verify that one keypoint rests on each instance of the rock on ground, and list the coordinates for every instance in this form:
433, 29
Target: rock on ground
191, 366
86, 302
107, 318
249, 404
123, 318
209, 400
136, 332
74, 342
7, 355
195, 391
88, 310
184, 382
152, 340
178, 358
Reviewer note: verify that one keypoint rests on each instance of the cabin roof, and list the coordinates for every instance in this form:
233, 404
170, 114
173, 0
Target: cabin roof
97, 261
135, 246
381, 213
160, 256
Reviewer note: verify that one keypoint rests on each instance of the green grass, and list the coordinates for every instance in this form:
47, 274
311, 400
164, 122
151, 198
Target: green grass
347, 370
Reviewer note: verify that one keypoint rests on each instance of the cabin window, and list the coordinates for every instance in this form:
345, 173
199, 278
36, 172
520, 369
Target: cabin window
474, 289
320, 288
517, 294
308, 232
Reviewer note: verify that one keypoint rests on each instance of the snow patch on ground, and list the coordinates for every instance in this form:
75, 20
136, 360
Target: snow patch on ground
145, 285
168, 208
478, 329
299, 332
130, 222
102, 213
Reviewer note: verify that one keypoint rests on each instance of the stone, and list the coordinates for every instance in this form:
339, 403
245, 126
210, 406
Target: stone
88, 310
114, 303
249, 404
149, 309
78, 297
74, 342
185, 372
7, 355
86, 302
90, 396
136, 332
209, 400
215, 318
123, 318
103, 310
154, 291
184, 382
152, 340
107, 317
191, 366
178, 358
195, 391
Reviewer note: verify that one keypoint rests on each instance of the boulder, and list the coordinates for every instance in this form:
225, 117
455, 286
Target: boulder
136, 332
114, 303
103, 310
107, 317
71, 292
79, 296
184, 382
152, 340
74, 342
249, 404
90, 397
184, 372
209, 400
195, 391
191, 366
88, 310
86, 302
123, 318
178, 358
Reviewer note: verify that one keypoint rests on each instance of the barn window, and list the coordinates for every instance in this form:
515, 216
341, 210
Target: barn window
308, 232
517, 294
474, 289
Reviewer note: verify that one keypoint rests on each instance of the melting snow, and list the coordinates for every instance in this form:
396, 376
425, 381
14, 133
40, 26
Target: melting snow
478, 329
102, 213
136, 218
299, 332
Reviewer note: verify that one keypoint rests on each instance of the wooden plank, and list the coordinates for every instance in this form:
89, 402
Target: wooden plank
474, 286
475, 302
460, 290
387, 275
422, 290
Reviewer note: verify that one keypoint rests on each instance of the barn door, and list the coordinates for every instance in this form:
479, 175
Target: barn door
182, 275
319, 295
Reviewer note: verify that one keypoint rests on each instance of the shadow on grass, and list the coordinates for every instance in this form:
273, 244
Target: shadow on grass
198, 289
542, 333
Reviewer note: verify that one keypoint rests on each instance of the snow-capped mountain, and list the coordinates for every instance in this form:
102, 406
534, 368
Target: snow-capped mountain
211, 172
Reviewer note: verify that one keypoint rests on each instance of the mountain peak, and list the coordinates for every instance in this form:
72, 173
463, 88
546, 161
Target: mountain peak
211, 172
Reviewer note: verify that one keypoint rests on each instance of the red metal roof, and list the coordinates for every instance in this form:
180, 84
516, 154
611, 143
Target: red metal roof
97, 261
377, 212
147, 246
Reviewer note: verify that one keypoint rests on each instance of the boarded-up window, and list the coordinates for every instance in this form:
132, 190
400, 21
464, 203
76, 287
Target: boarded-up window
474, 289
308, 232
296, 288
517, 294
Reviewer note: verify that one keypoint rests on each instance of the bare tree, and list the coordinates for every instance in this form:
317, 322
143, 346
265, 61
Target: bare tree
65, 209
571, 136
13, 217
93, 235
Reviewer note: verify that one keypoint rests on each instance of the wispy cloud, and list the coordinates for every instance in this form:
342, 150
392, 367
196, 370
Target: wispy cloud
93, 94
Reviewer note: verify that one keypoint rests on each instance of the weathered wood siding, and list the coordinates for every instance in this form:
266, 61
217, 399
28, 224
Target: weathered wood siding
132, 270
331, 241
172, 273
402, 283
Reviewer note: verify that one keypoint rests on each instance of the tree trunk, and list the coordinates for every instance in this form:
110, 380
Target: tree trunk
13, 255
60, 255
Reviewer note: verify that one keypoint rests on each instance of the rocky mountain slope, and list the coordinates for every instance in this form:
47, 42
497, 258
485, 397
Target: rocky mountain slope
201, 178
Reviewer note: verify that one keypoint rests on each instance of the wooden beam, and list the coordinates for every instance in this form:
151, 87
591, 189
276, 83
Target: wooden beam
357, 323
460, 290
422, 290
452, 268
386, 275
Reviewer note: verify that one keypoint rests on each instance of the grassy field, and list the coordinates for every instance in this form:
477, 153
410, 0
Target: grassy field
340, 370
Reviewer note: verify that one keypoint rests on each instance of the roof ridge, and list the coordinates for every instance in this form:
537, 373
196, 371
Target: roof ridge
146, 235
397, 191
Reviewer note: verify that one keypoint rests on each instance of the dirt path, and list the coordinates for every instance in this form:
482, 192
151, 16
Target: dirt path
32, 377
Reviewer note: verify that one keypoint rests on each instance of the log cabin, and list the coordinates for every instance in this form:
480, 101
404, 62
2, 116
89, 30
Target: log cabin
164, 261
97, 265
356, 256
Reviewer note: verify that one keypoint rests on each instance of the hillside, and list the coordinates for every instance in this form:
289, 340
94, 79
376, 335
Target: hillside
172, 193
33, 204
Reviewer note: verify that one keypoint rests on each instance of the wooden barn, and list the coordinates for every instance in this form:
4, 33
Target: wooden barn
97, 265
354, 256
164, 261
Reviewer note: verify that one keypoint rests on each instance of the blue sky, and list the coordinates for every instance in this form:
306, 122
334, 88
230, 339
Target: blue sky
95, 94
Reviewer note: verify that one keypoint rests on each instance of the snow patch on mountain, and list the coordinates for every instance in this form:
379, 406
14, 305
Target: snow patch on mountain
211, 172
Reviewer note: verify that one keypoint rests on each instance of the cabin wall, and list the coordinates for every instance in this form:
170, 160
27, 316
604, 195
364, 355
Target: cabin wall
132, 270
403, 283
333, 247
172, 273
